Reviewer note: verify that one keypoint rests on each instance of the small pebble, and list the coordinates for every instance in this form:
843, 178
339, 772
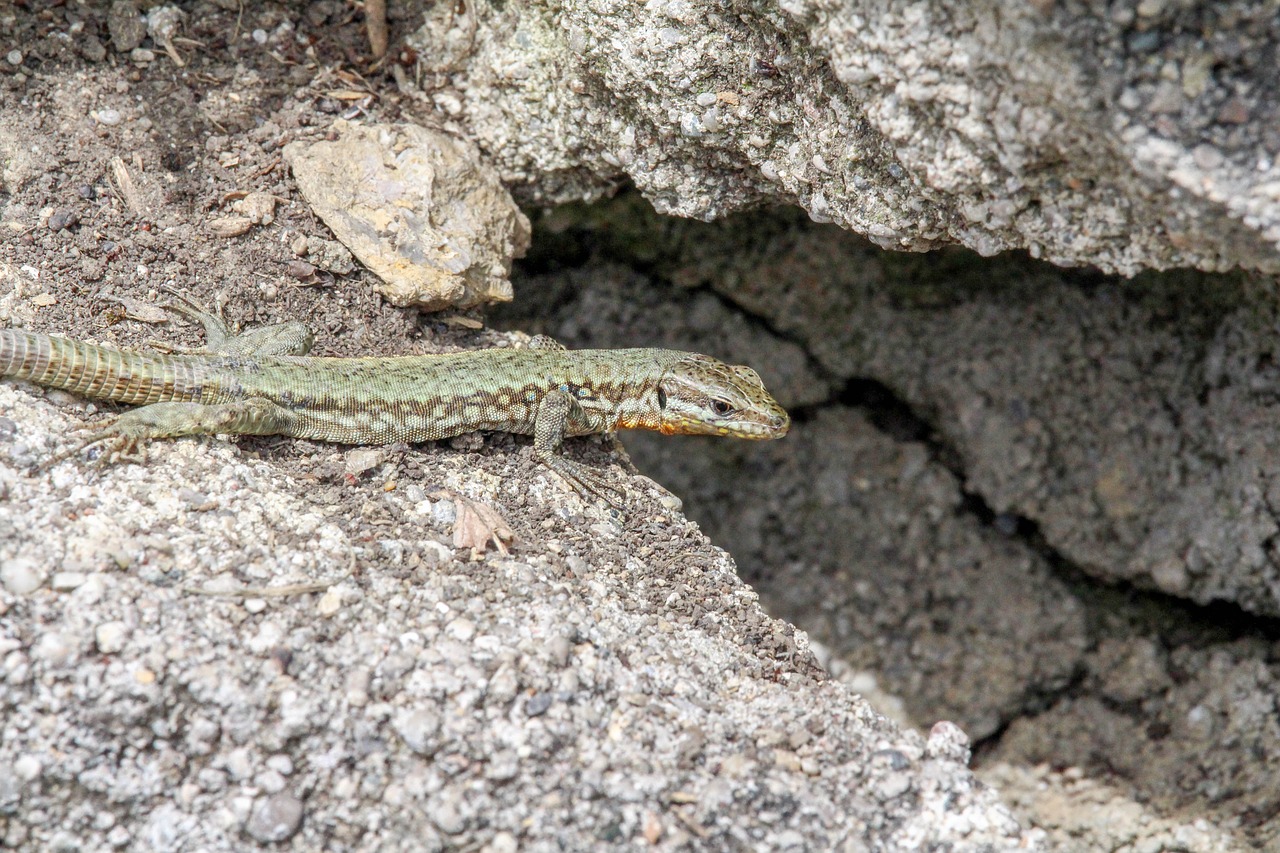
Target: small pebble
1144, 42
260, 36
276, 818
54, 648
27, 768
93, 49
61, 219
64, 581
270, 781
282, 764
126, 26
503, 766
447, 812
504, 842
361, 460
461, 629
110, 637
538, 704
21, 576
1206, 156
329, 604
300, 270
418, 730
948, 742
239, 764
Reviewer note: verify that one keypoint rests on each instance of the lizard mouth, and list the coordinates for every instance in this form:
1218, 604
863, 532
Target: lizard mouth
775, 427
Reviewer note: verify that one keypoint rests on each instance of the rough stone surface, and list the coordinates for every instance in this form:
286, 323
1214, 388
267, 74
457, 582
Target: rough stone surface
1197, 725
446, 702
866, 527
419, 208
107, 627
1080, 813
1121, 136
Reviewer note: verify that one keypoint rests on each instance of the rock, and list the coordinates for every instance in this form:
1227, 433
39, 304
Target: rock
229, 226
92, 48
110, 637
418, 729
428, 217
259, 208
915, 126
275, 818
21, 576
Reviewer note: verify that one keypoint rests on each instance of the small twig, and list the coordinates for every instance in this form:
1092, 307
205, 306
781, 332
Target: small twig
279, 591
692, 825
266, 591
375, 19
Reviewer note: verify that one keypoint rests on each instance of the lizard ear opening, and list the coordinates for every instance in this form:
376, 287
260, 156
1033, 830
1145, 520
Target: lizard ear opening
662, 398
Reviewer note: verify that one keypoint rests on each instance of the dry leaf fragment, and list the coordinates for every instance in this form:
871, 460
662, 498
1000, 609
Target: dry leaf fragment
44, 300
478, 524
128, 190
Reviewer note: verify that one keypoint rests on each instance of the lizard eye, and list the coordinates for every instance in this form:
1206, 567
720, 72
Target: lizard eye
720, 407
662, 398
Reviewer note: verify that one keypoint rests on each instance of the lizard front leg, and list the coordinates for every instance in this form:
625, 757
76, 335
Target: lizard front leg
124, 437
550, 426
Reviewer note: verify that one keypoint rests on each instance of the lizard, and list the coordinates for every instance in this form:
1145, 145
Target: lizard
262, 382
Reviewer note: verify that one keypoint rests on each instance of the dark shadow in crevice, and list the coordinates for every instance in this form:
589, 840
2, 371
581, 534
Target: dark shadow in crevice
1172, 621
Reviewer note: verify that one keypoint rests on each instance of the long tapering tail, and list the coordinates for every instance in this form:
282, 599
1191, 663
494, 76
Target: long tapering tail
102, 373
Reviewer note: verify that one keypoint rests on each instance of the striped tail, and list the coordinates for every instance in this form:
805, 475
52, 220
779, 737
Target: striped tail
106, 374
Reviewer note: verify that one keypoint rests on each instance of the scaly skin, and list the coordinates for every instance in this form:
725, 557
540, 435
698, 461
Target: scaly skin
251, 386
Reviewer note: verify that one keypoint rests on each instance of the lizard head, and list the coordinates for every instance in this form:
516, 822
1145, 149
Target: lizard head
699, 395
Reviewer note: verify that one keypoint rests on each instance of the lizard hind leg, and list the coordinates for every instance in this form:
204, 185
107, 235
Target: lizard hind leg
124, 437
292, 338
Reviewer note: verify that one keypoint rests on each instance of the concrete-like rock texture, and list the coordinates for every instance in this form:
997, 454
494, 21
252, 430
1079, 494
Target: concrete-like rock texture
1123, 136
609, 682
879, 526
1005, 574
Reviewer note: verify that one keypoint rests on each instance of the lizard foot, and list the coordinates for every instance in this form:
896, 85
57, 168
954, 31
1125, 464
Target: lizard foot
588, 483
119, 443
